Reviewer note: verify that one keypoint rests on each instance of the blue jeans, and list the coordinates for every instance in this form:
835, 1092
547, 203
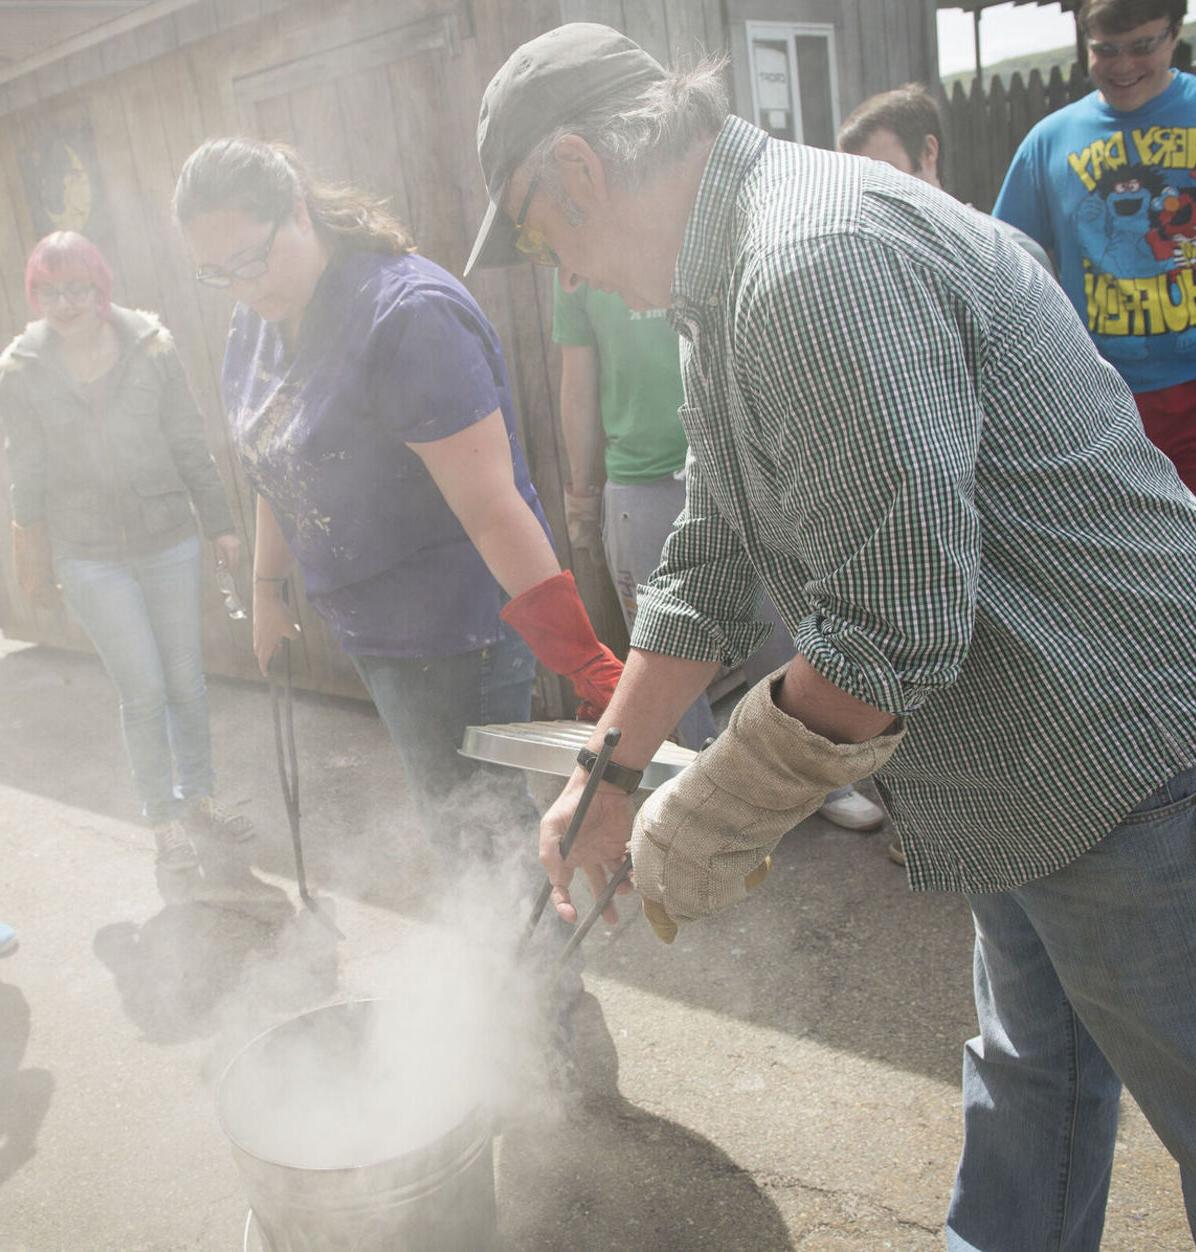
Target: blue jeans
1084, 979
467, 808
143, 618
426, 703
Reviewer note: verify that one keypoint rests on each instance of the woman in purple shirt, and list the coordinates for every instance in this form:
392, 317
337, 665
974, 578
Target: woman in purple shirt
368, 399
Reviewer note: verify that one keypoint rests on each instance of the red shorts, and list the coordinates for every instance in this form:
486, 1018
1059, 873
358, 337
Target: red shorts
1169, 417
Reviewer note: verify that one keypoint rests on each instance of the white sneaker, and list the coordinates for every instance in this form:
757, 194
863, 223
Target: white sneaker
853, 811
175, 850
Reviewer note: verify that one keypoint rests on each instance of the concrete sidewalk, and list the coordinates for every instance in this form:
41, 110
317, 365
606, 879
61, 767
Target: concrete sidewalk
785, 1076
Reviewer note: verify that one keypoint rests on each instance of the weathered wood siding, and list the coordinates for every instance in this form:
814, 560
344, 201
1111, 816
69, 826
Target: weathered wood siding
673, 31
381, 91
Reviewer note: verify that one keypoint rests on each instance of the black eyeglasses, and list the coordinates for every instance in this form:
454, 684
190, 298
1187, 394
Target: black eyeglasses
73, 293
530, 241
1136, 48
252, 267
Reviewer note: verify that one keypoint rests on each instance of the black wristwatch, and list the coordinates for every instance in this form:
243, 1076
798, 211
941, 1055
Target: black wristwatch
621, 776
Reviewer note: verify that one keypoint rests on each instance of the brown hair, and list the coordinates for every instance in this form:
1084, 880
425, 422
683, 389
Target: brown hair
265, 180
909, 111
1115, 17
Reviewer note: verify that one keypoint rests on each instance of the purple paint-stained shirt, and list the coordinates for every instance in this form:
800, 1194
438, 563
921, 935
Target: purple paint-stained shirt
393, 350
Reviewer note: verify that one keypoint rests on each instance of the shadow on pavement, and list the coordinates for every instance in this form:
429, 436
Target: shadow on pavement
225, 944
609, 1174
24, 1093
833, 947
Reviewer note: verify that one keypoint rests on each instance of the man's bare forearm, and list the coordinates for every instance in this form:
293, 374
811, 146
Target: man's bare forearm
825, 709
653, 693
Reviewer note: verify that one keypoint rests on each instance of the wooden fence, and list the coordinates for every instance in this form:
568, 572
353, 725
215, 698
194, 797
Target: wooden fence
985, 126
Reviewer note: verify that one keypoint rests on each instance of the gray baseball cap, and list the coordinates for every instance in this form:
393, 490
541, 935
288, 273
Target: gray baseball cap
544, 84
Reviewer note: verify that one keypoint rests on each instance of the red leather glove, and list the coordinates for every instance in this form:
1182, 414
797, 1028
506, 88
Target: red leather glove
33, 564
554, 624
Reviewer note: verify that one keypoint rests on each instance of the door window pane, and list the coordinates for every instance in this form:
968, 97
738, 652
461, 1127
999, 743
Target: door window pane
814, 90
774, 98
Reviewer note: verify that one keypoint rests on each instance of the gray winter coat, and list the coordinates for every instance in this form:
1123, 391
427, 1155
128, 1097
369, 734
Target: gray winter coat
113, 482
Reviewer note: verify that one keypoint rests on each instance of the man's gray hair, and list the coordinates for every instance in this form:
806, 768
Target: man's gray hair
640, 129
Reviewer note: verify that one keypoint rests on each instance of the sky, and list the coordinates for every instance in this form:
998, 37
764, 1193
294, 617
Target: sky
1007, 30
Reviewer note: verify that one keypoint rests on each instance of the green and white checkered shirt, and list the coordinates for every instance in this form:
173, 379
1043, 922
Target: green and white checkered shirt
900, 429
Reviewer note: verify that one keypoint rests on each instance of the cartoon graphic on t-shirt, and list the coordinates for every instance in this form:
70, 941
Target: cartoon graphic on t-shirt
1172, 235
1137, 232
1114, 220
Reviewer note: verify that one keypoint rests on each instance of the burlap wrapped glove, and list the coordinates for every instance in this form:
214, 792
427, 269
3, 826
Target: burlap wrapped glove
698, 840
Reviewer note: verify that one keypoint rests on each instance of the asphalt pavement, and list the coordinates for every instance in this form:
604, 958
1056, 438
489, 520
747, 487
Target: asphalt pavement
785, 1076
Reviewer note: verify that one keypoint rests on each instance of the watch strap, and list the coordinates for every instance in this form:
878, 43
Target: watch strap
622, 776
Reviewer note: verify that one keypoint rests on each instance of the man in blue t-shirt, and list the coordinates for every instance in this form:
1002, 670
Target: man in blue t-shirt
1108, 184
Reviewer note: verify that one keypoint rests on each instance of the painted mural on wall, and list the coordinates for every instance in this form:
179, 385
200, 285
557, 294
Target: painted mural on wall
63, 183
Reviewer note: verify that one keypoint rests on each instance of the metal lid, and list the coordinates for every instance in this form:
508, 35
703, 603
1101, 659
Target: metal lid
552, 747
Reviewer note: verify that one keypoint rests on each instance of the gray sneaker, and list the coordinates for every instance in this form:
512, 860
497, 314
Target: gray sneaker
175, 850
205, 818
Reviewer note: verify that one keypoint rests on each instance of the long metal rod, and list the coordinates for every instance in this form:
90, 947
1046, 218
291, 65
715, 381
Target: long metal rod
288, 763
288, 776
610, 741
584, 928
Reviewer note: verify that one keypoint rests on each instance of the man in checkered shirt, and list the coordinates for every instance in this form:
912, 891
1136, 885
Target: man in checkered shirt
899, 428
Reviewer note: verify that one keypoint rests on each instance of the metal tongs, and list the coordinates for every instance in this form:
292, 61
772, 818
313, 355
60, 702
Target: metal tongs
609, 742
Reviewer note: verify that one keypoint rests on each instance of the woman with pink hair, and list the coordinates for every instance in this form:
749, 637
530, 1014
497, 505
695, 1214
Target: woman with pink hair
108, 469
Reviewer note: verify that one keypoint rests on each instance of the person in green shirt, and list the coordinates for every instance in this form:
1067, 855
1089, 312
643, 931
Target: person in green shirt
620, 393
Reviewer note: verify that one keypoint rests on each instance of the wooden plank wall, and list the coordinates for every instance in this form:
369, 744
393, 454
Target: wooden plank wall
407, 130
673, 31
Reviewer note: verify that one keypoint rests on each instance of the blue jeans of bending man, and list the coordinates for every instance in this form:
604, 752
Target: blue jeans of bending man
142, 616
1084, 980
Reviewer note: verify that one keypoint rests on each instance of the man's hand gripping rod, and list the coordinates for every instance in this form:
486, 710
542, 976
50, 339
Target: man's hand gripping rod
610, 741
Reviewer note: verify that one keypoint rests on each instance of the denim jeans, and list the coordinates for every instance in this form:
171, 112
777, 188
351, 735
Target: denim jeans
467, 808
426, 703
143, 618
1084, 979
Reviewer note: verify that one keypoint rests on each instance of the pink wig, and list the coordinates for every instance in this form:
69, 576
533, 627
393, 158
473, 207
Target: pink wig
66, 256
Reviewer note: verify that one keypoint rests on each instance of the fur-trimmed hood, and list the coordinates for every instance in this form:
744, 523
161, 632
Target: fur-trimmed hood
136, 327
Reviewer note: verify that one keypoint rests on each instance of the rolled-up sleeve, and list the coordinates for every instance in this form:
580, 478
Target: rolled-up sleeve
862, 377
702, 602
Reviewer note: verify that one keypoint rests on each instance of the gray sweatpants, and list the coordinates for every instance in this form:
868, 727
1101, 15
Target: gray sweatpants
636, 520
